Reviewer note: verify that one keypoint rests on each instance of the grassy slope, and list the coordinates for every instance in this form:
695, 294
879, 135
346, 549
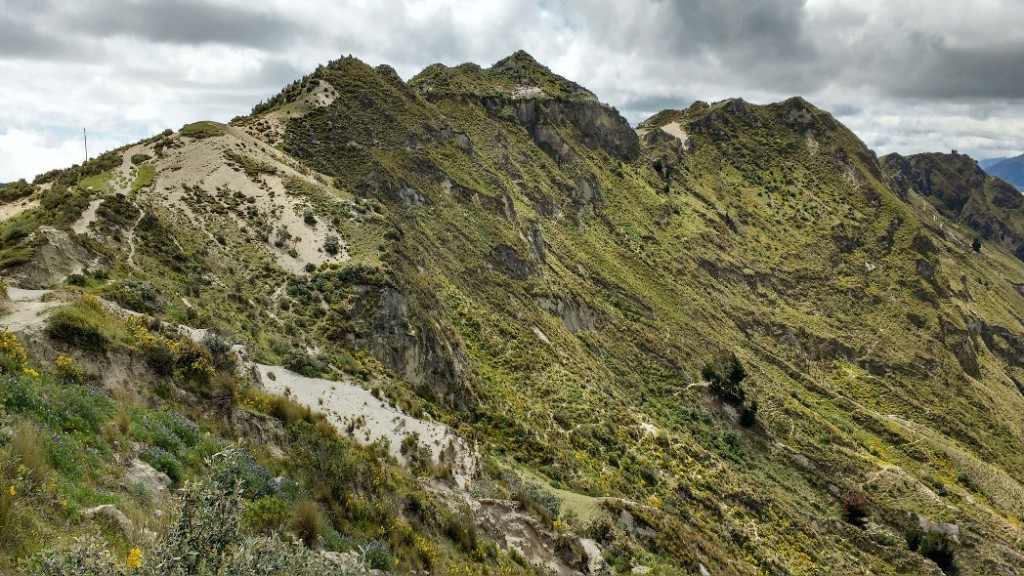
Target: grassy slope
66, 444
775, 236
963, 192
880, 353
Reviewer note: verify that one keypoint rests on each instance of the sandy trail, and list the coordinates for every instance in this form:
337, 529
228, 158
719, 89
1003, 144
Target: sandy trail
88, 217
26, 309
344, 402
131, 240
17, 208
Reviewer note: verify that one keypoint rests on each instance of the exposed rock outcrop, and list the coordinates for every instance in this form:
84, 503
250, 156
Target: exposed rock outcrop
55, 257
961, 191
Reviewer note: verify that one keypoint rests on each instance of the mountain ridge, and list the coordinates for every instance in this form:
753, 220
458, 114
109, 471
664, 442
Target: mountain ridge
1009, 169
558, 288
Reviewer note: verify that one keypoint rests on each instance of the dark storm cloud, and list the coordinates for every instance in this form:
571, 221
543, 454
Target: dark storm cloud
23, 40
181, 22
790, 47
906, 76
845, 110
739, 29
940, 72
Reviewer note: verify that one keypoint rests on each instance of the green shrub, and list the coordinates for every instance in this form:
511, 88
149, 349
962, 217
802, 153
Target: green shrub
16, 190
66, 369
13, 358
239, 469
266, 514
306, 522
204, 540
725, 375
165, 462
12, 518
461, 528
938, 547
306, 364
377, 557
73, 326
748, 414
288, 411
29, 454
140, 158
252, 168
533, 498
200, 130
222, 357
76, 280
417, 454
118, 210
141, 297
160, 359
332, 245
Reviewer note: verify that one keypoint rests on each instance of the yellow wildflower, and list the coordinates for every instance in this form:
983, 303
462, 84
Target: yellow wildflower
29, 372
11, 490
134, 558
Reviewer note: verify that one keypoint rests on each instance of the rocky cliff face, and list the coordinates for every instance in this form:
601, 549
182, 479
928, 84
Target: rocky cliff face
519, 89
963, 192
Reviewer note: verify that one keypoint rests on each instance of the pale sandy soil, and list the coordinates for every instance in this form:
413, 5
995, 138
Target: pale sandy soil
87, 218
674, 129
203, 163
343, 403
271, 126
26, 309
16, 208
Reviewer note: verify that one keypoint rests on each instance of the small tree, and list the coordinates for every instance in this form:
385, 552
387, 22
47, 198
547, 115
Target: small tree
976, 245
725, 375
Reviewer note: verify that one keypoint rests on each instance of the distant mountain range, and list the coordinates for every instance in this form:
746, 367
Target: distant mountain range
1009, 169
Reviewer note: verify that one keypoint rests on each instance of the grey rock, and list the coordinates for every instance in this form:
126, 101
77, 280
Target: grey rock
930, 527
110, 514
592, 554
142, 474
57, 256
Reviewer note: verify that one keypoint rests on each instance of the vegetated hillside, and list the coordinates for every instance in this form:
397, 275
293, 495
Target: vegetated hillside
963, 192
726, 342
1009, 169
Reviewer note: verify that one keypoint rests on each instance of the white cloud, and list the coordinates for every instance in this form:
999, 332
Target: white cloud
25, 154
908, 76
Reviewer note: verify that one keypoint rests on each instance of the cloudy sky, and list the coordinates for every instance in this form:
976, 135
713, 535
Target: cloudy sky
907, 76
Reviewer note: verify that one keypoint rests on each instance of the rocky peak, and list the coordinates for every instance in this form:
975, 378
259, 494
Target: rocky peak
960, 190
517, 62
520, 89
